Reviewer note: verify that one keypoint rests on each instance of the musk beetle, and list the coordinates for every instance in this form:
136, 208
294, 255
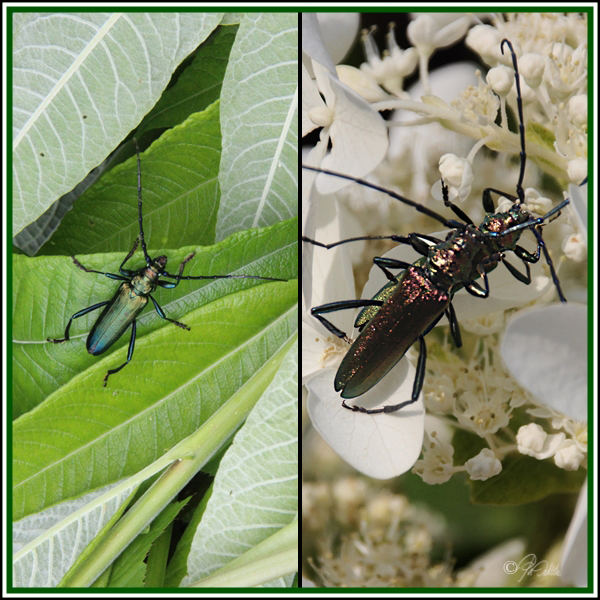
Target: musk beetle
414, 301
132, 296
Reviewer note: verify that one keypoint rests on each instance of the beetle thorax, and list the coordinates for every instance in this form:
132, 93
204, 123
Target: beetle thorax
144, 282
499, 222
451, 262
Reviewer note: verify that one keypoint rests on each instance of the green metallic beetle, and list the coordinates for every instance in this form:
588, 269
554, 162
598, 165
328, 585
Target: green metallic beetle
132, 296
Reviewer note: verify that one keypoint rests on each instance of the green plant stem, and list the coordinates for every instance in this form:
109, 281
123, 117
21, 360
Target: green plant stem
194, 452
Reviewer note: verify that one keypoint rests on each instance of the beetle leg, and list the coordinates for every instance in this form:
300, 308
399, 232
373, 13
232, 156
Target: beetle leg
454, 327
486, 198
129, 354
392, 263
128, 272
111, 275
523, 278
538, 234
170, 284
161, 313
475, 289
82, 312
335, 306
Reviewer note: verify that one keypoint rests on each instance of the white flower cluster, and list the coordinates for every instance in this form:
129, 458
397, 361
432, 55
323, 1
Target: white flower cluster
481, 400
479, 396
552, 54
498, 406
384, 541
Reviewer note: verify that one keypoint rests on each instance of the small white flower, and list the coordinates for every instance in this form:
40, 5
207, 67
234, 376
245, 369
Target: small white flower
482, 414
428, 32
441, 398
566, 71
395, 65
321, 116
578, 109
485, 41
437, 465
536, 203
501, 80
485, 324
531, 67
386, 508
534, 441
361, 83
418, 540
478, 104
348, 494
577, 170
579, 432
483, 466
568, 456
504, 204
574, 247
457, 174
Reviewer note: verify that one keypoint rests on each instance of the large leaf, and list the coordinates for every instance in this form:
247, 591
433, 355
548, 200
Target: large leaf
47, 291
256, 489
260, 124
180, 195
81, 83
72, 435
85, 435
196, 86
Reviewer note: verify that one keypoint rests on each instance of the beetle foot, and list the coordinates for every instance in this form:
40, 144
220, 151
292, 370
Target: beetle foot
362, 410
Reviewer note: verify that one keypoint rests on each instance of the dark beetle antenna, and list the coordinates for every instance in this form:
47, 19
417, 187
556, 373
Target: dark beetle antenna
164, 273
146, 255
523, 156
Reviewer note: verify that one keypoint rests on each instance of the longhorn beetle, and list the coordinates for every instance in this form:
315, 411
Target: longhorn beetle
132, 296
412, 302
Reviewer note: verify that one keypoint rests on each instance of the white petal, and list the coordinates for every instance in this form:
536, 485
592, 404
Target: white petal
545, 349
380, 446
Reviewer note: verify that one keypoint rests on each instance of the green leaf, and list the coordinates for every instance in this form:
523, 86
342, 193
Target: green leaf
71, 435
538, 134
525, 479
129, 570
77, 95
255, 491
47, 291
177, 567
84, 435
180, 193
198, 85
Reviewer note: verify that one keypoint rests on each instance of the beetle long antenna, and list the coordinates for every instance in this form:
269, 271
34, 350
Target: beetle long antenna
396, 196
522, 156
221, 277
142, 239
